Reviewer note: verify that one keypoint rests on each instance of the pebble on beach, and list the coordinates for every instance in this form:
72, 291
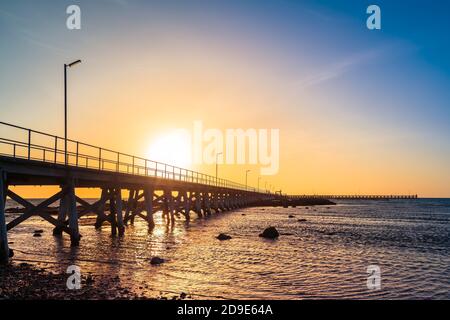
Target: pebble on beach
157, 261
223, 237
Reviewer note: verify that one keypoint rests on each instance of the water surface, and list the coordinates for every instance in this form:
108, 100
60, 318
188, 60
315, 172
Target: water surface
325, 256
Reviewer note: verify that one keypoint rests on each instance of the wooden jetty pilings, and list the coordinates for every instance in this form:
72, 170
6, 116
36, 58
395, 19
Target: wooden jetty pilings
145, 196
148, 187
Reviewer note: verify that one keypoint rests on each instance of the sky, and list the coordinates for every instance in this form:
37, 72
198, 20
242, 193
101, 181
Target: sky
358, 111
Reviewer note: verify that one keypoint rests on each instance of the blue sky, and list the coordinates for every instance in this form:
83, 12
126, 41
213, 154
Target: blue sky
330, 78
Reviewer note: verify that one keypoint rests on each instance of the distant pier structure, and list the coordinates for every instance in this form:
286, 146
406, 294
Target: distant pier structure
357, 197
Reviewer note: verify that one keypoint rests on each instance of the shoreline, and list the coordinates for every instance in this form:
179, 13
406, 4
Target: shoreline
26, 281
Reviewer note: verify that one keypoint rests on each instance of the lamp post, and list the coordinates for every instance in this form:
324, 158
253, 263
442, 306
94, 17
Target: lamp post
217, 166
70, 65
246, 178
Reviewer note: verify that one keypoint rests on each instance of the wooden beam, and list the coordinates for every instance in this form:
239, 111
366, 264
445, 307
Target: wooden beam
62, 214
158, 198
87, 207
139, 196
132, 207
45, 215
119, 213
101, 216
113, 212
31, 209
140, 214
187, 205
167, 205
53, 221
148, 198
19, 200
73, 215
206, 203
129, 205
4, 249
135, 210
198, 204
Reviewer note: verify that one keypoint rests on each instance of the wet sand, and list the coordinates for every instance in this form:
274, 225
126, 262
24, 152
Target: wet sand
23, 281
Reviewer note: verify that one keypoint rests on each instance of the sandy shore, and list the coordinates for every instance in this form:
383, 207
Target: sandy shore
23, 281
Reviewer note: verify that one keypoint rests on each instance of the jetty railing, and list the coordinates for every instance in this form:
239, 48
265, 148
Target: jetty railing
35, 145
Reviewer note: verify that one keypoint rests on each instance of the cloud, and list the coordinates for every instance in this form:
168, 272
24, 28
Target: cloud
20, 26
123, 3
11, 16
339, 68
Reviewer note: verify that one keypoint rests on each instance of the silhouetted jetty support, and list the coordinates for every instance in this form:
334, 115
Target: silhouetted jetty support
39, 159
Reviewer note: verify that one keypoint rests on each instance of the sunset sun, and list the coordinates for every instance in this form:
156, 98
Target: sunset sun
173, 147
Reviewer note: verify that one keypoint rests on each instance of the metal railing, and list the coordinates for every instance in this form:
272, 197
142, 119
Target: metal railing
40, 146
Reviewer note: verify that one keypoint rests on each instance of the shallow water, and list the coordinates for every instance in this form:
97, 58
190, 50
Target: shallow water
325, 256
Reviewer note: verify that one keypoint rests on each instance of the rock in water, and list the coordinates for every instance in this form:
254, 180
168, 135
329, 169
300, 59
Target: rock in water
90, 279
270, 233
291, 216
37, 235
301, 220
223, 236
157, 260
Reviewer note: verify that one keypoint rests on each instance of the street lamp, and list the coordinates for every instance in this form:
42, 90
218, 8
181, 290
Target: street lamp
246, 178
70, 65
217, 165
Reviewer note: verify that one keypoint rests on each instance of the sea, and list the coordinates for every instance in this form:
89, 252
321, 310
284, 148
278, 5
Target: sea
356, 249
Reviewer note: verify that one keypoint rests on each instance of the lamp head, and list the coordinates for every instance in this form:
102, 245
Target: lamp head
70, 65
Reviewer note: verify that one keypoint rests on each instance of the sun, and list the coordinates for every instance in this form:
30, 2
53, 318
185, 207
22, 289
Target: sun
172, 148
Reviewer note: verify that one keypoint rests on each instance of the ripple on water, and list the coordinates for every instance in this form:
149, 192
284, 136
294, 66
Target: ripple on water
325, 256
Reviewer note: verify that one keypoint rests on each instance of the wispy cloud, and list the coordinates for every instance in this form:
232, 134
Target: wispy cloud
18, 25
339, 68
120, 2
11, 16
